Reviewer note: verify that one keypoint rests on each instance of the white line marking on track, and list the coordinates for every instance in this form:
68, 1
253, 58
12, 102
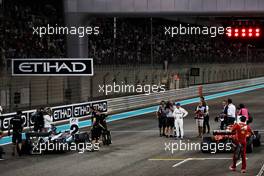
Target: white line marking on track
238, 163
261, 171
175, 165
259, 130
191, 159
215, 158
176, 159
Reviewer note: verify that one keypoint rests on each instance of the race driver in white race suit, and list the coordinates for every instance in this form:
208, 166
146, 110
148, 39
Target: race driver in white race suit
179, 113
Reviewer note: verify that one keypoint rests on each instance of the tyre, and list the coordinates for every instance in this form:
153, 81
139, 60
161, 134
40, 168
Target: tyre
106, 137
82, 137
205, 144
26, 147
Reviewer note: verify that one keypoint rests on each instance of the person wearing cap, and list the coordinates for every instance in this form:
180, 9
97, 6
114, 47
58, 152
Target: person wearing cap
179, 113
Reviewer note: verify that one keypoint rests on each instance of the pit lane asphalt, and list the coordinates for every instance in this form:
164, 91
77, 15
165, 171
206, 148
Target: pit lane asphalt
137, 149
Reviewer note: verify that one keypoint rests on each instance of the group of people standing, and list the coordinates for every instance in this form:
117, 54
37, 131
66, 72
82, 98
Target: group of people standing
42, 120
99, 126
171, 116
231, 114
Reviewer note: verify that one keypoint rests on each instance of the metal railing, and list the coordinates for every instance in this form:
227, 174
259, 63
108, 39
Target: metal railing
126, 103
142, 100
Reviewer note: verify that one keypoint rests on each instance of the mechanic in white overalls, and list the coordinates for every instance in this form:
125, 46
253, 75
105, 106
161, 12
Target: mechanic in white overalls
179, 113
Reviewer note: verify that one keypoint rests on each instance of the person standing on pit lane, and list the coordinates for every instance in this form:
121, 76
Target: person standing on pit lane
243, 111
179, 113
38, 118
161, 115
47, 120
200, 113
170, 119
17, 125
206, 116
223, 115
96, 129
231, 112
241, 131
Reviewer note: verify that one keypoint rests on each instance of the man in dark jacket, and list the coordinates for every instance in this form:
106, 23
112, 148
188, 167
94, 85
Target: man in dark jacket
38, 120
17, 123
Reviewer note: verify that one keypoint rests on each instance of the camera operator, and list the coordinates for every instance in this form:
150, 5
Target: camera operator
102, 122
96, 128
105, 133
17, 125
